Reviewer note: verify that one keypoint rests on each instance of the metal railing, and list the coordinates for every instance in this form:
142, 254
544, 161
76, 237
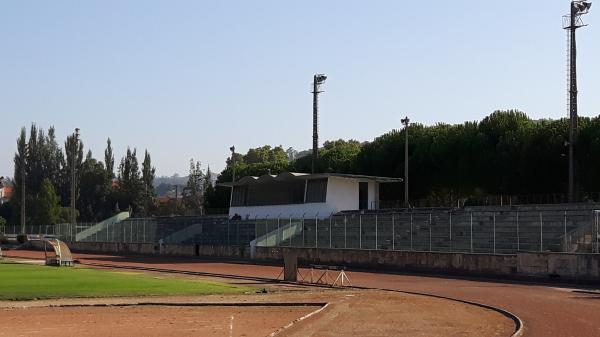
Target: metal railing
495, 232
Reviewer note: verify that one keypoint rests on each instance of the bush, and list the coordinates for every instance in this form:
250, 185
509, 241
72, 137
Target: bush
3, 240
22, 238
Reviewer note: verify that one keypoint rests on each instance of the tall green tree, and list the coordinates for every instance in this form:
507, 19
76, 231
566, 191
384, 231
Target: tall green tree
148, 173
193, 190
94, 192
109, 159
20, 175
46, 209
131, 186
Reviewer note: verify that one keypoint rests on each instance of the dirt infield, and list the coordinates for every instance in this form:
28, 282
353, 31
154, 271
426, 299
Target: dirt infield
147, 321
358, 313
545, 310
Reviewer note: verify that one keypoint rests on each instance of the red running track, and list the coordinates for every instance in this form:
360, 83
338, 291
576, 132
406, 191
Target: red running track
545, 310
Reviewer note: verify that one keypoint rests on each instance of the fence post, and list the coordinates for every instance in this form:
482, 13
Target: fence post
471, 232
317, 230
430, 232
330, 229
596, 234
303, 231
451, 245
376, 246
518, 237
360, 231
291, 233
278, 228
565, 230
541, 232
411, 231
345, 236
393, 234
494, 213
267, 230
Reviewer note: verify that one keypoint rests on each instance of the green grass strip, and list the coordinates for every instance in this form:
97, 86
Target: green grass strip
26, 282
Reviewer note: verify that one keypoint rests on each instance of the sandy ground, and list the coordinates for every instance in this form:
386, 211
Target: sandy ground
547, 311
148, 321
350, 312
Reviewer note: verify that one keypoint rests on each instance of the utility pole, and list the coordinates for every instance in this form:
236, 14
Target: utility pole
318, 80
406, 121
571, 22
73, 179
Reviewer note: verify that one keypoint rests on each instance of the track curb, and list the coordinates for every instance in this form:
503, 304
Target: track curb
519, 325
297, 320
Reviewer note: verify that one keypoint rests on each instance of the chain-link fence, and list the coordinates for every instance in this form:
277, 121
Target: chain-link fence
496, 232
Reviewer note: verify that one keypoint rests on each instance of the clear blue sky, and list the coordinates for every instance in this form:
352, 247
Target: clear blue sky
190, 78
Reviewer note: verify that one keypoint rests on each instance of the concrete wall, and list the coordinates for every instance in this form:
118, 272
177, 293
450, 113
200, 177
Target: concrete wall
554, 266
557, 266
342, 194
154, 249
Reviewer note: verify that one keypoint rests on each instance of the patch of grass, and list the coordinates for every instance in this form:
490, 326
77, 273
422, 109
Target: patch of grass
25, 282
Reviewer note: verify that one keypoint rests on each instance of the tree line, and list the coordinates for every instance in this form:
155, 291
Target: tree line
46, 170
506, 153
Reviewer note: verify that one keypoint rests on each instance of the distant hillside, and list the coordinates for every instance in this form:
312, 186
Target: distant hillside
166, 185
172, 180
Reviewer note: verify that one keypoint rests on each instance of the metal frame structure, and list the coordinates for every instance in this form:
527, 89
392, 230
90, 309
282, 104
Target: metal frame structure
318, 80
571, 22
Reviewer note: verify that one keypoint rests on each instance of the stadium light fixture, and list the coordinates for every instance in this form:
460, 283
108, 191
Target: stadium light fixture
571, 22
582, 7
320, 78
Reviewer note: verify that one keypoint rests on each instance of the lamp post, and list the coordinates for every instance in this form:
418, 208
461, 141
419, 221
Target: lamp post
73, 182
1, 186
232, 149
318, 80
571, 22
406, 121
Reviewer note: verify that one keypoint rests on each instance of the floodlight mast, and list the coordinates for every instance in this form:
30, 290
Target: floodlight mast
571, 22
318, 80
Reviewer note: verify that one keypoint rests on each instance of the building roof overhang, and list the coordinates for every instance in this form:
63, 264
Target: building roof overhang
289, 176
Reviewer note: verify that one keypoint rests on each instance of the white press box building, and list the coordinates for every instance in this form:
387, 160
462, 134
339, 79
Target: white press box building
297, 195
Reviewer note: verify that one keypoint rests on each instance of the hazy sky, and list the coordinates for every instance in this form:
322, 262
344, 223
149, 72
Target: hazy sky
190, 78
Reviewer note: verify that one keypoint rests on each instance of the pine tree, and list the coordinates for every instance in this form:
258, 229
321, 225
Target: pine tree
46, 208
192, 192
148, 173
19, 178
109, 159
130, 183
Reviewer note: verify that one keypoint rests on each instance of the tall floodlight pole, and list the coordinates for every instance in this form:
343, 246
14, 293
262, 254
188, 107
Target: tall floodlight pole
571, 22
232, 149
318, 80
73, 180
406, 121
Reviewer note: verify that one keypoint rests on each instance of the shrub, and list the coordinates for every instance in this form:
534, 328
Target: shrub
22, 238
3, 240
